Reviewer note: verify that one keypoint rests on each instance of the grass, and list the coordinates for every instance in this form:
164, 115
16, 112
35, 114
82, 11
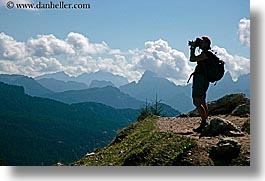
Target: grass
141, 144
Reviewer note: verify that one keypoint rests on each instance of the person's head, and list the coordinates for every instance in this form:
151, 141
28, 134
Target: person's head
205, 43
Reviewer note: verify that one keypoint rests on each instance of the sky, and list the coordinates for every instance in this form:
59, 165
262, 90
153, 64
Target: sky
123, 37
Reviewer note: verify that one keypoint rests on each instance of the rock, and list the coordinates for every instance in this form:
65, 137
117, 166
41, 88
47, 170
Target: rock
241, 110
59, 164
225, 105
90, 154
225, 150
196, 156
219, 126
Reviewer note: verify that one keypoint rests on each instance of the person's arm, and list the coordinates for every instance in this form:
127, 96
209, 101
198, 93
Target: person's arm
194, 58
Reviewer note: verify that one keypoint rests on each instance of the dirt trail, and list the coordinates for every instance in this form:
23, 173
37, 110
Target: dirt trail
184, 126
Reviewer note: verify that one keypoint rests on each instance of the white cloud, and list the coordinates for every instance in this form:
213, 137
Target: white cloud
83, 46
165, 61
8, 67
10, 48
75, 55
41, 64
244, 31
236, 65
45, 45
30, 67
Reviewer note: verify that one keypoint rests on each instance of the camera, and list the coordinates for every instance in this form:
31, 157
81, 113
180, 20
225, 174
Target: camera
195, 43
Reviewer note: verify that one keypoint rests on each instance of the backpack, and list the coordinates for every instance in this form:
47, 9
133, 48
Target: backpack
214, 67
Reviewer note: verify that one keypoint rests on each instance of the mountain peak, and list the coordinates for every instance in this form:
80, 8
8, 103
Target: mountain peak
57, 75
102, 75
149, 73
100, 83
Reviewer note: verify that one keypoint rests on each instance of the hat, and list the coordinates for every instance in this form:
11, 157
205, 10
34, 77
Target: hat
207, 39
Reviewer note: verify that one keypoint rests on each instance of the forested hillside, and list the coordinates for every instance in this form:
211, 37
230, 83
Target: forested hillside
39, 131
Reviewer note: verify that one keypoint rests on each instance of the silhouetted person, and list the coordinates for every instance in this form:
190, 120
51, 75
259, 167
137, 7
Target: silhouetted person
200, 81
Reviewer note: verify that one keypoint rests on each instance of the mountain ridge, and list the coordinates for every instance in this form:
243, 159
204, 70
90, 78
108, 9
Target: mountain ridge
61, 86
100, 84
109, 95
179, 96
41, 131
87, 78
31, 86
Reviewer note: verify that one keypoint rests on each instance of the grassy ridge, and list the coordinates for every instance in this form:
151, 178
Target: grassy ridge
141, 144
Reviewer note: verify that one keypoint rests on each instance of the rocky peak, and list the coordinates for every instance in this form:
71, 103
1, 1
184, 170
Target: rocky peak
147, 75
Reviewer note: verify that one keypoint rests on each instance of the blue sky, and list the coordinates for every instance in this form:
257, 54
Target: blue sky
127, 25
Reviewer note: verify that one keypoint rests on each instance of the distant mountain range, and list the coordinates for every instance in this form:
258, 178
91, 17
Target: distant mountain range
110, 96
179, 97
40, 131
87, 78
130, 95
100, 84
58, 76
151, 84
228, 86
31, 86
60, 86
72, 92
102, 75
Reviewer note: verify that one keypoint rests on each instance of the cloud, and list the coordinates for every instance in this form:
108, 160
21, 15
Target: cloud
31, 66
46, 45
40, 64
82, 45
244, 31
76, 54
10, 48
165, 61
8, 67
236, 65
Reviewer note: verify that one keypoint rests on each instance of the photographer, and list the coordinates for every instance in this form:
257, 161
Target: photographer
200, 81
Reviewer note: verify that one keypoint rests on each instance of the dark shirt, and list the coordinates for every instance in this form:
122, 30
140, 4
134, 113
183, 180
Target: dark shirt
201, 67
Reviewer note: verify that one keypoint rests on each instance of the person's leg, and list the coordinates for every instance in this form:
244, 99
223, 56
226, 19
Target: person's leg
206, 108
203, 111
199, 88
201, 107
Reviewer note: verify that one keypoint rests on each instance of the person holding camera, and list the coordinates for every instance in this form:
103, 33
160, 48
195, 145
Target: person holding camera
200, 82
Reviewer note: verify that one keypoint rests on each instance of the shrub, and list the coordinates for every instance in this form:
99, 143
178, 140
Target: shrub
150, 110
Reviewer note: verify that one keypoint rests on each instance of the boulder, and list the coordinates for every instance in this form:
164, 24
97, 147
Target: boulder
220, 126
226, 105
225, 150
241, 110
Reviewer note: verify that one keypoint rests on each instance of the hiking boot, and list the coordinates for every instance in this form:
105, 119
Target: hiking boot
201, 127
